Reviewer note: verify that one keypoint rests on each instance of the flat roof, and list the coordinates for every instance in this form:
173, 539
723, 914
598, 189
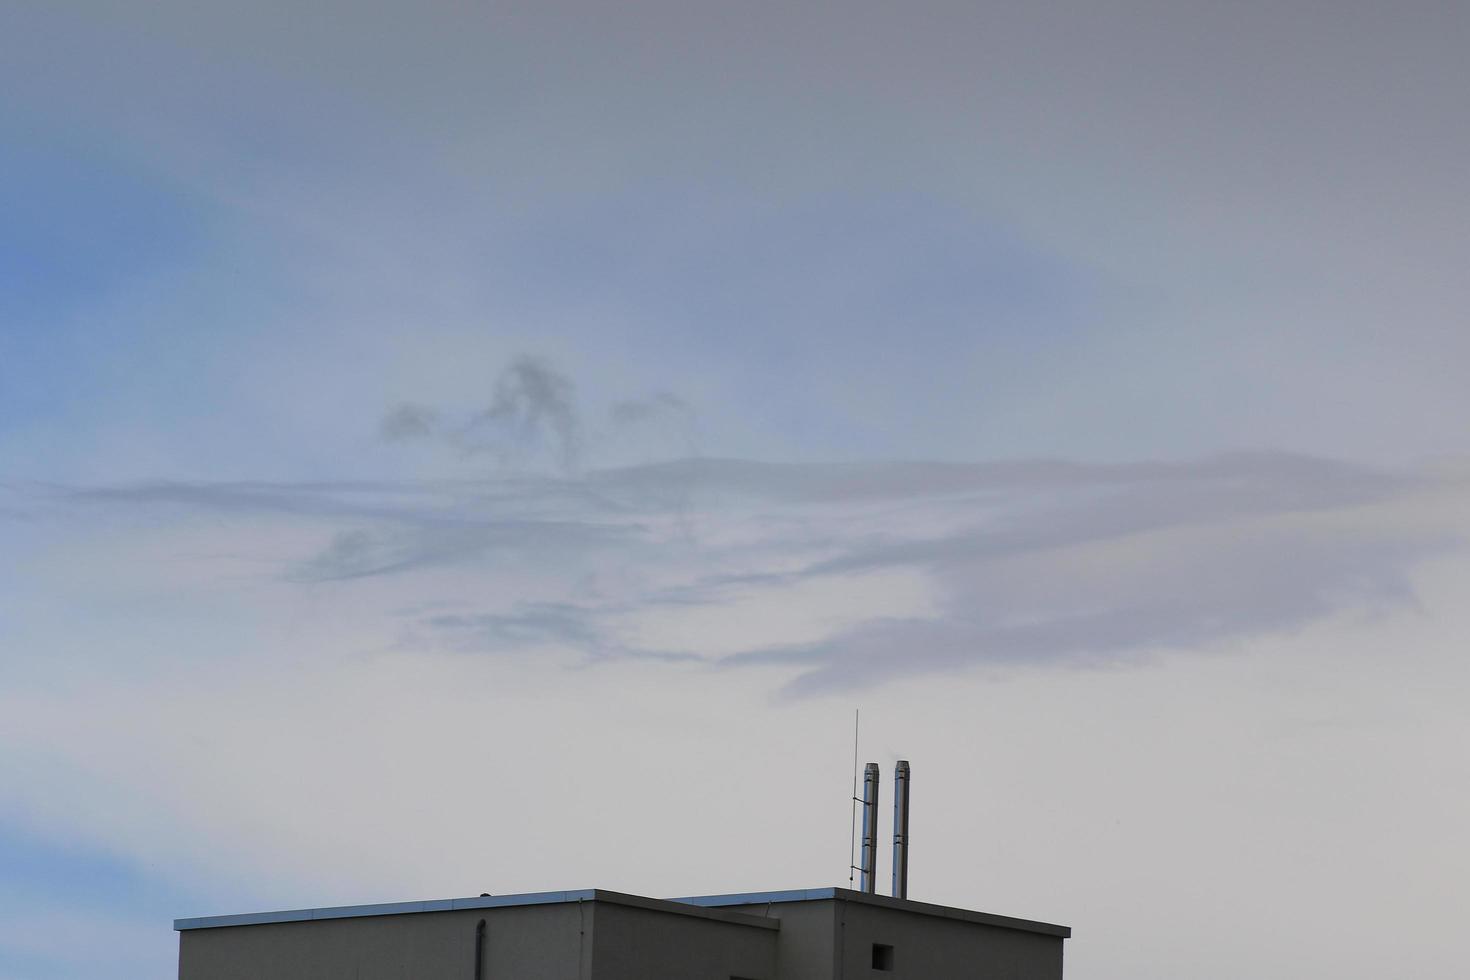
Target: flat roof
882, 901
480, 902
703, 906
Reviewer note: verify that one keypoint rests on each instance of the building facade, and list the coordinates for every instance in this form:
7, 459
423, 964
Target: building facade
815, 934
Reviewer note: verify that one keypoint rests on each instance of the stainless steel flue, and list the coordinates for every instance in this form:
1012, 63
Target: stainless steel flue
901, 779
871, 775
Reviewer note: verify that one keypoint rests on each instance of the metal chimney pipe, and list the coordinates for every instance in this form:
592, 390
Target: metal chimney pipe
901, 780
871, 775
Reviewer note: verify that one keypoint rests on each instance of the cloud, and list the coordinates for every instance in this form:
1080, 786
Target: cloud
661, 405
849, 575
352, 554
407, 422
1275, 479
533, 409
1072, 564
1119, 601
534, 419
531, 624
362, 552
542, 626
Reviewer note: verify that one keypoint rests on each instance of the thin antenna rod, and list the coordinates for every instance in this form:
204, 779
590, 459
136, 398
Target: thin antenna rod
852, 821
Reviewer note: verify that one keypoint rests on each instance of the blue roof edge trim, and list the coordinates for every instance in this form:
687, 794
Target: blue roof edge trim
759, 898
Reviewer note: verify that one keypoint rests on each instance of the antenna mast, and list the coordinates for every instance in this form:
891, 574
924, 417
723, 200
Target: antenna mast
852, 820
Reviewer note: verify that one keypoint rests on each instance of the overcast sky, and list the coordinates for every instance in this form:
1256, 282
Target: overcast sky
460, 447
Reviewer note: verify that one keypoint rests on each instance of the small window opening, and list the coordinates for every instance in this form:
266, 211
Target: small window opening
882, 957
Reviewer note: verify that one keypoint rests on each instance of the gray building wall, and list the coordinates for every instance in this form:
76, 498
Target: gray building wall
833, 940
806, 946
826, 934
534, 942
644, 943
926, 947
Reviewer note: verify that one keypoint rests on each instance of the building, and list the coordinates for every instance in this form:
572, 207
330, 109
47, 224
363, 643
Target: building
816, 934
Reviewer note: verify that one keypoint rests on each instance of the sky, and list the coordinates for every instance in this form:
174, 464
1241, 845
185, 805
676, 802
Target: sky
463, 447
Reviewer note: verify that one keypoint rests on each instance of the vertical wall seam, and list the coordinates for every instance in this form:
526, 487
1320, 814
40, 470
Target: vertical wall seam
584, 970
840, 910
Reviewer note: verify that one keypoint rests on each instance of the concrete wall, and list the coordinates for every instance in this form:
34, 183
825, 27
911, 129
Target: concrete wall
833, 940
648, 943
535, 942
927, 947
806, 947
610, 936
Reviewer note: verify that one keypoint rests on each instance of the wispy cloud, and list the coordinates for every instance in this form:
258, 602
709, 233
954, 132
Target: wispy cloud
1100, 602
849, 575
361, 552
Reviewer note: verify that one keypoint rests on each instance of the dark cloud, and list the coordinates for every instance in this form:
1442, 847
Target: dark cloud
534, 417
408, 422
359, 553
533, 410
533, 625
